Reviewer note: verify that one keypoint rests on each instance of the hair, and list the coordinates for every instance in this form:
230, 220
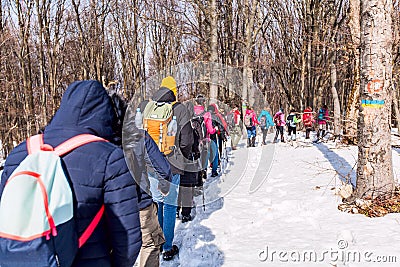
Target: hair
325, 106
119, 105
200, 100
292, 110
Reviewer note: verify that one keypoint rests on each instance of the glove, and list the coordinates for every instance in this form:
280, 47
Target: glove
163, 187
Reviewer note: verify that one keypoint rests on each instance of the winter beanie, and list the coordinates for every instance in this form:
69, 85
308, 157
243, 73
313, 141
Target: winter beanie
170, 83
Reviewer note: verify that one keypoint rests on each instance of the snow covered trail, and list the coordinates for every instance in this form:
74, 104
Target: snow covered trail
290, 219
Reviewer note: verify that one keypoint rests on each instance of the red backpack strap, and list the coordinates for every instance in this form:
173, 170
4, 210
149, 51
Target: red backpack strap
89, 230
34, 143
75, 142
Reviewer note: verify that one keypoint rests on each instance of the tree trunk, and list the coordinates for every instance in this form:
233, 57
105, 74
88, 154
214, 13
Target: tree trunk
213, 48
375, 170
395, 101
336, 102
248, 95
350, 123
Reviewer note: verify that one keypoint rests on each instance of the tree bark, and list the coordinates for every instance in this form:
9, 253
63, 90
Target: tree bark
350, 123
213, 48
375, 170
336, 102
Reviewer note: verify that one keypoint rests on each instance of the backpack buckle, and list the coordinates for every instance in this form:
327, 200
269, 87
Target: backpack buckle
46, 147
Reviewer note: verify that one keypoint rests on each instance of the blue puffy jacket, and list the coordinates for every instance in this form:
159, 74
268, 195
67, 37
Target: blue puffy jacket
98, 173
269, 121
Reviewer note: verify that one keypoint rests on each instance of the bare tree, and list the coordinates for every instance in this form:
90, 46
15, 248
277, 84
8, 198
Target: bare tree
375, 170
350, 123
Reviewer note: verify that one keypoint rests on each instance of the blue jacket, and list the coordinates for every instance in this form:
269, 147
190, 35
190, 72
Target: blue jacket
269, 121
98, 173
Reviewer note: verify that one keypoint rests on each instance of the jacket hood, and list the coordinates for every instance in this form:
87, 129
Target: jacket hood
164, 95
87, 108
211, 108
215, 108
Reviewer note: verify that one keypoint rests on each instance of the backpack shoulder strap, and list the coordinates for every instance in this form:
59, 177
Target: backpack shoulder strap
90, 229
34, 143
76, 142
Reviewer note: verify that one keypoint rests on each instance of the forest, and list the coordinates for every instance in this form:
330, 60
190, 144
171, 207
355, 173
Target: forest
297, 53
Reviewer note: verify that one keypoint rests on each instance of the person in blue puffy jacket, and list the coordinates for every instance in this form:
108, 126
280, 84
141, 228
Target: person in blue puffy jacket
98, 174
266, 121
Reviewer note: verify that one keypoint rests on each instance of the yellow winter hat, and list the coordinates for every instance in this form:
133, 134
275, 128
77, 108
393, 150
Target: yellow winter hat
170, 83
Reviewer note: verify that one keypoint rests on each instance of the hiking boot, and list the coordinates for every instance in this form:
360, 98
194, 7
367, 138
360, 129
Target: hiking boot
214, 174
169, 254
186, 218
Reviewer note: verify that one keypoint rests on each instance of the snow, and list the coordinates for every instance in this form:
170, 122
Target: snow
291, 216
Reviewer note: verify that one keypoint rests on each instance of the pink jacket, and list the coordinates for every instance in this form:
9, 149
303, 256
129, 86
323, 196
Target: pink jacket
253, 116
207, 119
221, 118
279, 119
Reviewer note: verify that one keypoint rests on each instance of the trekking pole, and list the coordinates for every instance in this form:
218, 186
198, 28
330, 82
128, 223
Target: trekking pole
204, 204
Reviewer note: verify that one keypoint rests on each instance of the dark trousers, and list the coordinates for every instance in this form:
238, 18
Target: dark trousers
308, 131
185, 199
291, 129
279, 130
264, 133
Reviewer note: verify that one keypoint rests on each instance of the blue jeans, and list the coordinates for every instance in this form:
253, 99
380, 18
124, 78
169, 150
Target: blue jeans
213, 155
166, 207
251, 132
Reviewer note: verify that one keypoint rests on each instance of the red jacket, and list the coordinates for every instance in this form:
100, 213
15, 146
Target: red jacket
308, 118
236, 116
253, 116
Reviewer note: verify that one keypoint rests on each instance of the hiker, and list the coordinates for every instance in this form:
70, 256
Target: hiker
203, 118
98, 176
189, 178
235, 130
308, 121
279, 120
213, 154
142, 154
266, 121
176, 153
250, 122
292, 122
222, 131
323, 117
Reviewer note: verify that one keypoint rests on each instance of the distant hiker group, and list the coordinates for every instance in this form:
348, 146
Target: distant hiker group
87, 191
